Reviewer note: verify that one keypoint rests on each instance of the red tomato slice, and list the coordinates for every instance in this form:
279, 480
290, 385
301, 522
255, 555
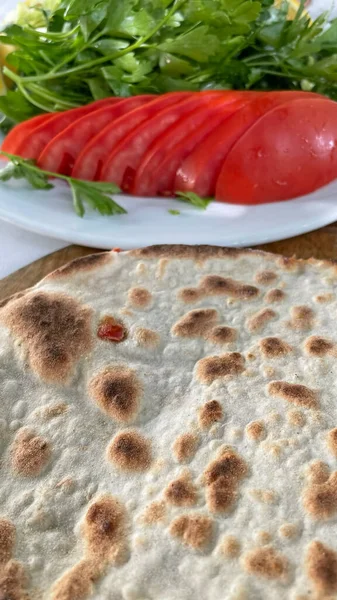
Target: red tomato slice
89, 163
62, 151
23, 130
32, 145
122, 163
290, 152
151, 176
167, 170
200, 170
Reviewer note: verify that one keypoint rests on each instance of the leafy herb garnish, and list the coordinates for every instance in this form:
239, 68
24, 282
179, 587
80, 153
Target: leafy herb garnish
172, 211
89, 49
194, 199
92, 193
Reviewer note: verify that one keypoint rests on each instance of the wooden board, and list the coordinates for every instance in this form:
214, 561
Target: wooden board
320, 244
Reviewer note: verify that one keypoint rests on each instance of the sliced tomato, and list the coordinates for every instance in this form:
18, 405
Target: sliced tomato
33, 144
122, 163
290, 152
89, 163
157, 171
200, 171
23, 130
62, 151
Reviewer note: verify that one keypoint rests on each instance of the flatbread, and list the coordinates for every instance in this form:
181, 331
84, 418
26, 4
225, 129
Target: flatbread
168, 429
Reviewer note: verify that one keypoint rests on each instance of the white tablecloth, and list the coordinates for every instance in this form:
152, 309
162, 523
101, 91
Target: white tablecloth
19, 248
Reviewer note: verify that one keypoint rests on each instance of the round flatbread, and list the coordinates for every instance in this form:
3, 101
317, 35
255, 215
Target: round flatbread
168, 429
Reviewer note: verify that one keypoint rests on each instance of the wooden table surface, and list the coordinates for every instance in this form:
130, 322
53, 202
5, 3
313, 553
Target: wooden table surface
320, 244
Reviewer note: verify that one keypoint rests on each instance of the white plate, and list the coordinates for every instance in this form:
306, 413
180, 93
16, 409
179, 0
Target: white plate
148, 221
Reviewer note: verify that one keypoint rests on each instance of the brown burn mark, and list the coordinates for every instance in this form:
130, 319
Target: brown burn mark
193, 529
263, 496
130, 451
190, 295
7, 540
230, 547
228, 465
220, 496
55, 330
222, 478
266, 563
214, 367
181, 492
263, 537
139, 297
256, 430
104, 526
295, 393
320, 499
288, 531
274, 295
196, 323
82, 265
302, 318
215, 285
185, 447
77, 582
321, 567
197, 253
289, 263
324, 298
318, 472
30, 453
222, 335
154, 513
296, 418
273, 347
260, 319
117, 391
265, 277
13, 580
210, 413
53, 410
331, 439
147, 338
104, 530
318, 346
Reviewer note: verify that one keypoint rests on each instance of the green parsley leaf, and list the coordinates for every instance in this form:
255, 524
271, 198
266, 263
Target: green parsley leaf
88, 49
194, 199
92, 193
172, 211
197, 44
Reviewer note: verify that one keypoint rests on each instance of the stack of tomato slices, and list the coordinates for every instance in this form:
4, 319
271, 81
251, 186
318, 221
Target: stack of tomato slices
237, 146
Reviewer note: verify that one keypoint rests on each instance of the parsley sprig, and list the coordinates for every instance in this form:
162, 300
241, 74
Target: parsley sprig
91, 49
92, 193
95, 194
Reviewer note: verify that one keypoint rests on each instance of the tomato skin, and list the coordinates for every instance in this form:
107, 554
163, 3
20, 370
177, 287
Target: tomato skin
91, 160
290, 152
157, 170
60, 154
200, 171
32, 145
14, 138
167, 172
121, 165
